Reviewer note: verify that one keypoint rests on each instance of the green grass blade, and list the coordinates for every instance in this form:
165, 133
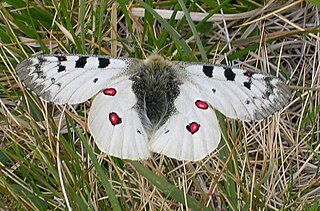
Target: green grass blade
123, 7
194, 31
101, 173
83, 30
100, 13
229, 182
168, 189
210, 14
169, 28
65, 20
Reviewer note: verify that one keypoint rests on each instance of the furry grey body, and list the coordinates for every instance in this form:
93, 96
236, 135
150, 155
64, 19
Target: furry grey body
156, 86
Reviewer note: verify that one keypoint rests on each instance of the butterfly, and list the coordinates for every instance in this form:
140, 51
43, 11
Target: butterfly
154, 105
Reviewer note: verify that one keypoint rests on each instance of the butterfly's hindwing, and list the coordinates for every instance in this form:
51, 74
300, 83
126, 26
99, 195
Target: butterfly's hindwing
69, 79
115, 124
192, 132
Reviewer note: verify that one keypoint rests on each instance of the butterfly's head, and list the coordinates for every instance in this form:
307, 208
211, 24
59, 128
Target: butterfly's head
154, 59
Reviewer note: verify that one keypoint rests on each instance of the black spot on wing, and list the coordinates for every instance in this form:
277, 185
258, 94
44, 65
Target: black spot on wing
37, 67
95, 80
208, 71
247, 84
40, 74
61, 68
268, 80
269, 87
41, 59
266, 95
103, 62
81, 62
229, 74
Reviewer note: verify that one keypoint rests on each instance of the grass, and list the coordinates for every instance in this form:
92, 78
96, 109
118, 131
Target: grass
48, 158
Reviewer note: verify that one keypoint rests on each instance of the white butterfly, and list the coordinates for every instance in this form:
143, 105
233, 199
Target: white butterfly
154, 105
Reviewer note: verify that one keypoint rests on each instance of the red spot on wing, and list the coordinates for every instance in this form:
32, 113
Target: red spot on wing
193, 127
62, 58
110, 91
114, 119
201, 104
248, 74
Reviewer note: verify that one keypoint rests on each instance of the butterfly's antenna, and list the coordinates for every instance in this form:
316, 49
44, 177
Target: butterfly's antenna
154, 51
144, 48
157, 51
163, 47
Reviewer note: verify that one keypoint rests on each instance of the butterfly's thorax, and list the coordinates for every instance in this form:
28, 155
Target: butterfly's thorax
156, 86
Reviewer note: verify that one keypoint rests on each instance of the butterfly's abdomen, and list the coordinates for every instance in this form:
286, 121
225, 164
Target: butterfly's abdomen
156, 86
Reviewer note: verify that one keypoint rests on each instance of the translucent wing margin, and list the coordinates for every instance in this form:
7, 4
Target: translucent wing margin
69, 79
238, 93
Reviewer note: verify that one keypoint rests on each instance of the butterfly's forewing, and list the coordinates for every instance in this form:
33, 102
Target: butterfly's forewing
192, 132
237, 93
115, 124
69, 79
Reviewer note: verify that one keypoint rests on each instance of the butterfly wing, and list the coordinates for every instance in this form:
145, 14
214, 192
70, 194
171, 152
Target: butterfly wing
115, 124
69, 79
237, 93
192, 132
113, 121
